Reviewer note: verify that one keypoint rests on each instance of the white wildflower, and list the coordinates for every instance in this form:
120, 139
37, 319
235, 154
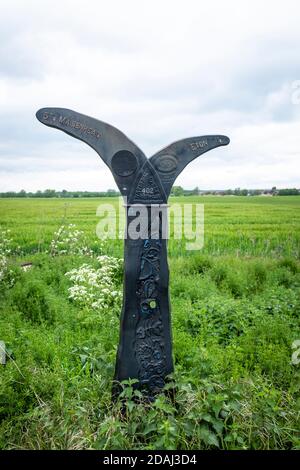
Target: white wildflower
69, 240
5, 250
95, 287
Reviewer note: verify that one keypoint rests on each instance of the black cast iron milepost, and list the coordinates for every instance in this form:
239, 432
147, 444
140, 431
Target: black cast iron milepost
145, 346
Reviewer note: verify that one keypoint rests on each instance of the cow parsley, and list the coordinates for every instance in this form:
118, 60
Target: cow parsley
95, 287
68, 240
5, 250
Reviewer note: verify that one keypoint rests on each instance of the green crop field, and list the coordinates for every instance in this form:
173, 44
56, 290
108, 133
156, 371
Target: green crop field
235, 322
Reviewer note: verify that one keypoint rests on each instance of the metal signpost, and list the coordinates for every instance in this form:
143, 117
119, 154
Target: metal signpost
145, 346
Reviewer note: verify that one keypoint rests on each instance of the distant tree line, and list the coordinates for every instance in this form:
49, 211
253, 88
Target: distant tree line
179, 191
51, 193
176, 191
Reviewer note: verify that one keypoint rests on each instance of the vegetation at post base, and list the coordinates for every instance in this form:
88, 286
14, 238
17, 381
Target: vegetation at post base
235, 320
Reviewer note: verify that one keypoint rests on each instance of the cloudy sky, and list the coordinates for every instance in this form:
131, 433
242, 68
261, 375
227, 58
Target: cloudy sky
159, 71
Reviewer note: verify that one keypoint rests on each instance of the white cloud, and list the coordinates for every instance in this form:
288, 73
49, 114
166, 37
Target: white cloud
159, 71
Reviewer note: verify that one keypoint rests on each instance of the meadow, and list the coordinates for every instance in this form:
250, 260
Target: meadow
235, 321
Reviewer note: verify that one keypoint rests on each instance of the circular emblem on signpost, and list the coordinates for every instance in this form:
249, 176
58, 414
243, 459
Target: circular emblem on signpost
166, 163
124, 163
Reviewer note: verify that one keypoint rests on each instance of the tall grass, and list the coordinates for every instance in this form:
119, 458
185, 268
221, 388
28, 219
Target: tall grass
235, 317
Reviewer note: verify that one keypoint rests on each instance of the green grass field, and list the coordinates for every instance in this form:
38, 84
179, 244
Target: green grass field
235, 319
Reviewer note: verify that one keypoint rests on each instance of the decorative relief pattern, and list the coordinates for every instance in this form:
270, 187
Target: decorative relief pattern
147, 188
149, 339
124, 163
166, 164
